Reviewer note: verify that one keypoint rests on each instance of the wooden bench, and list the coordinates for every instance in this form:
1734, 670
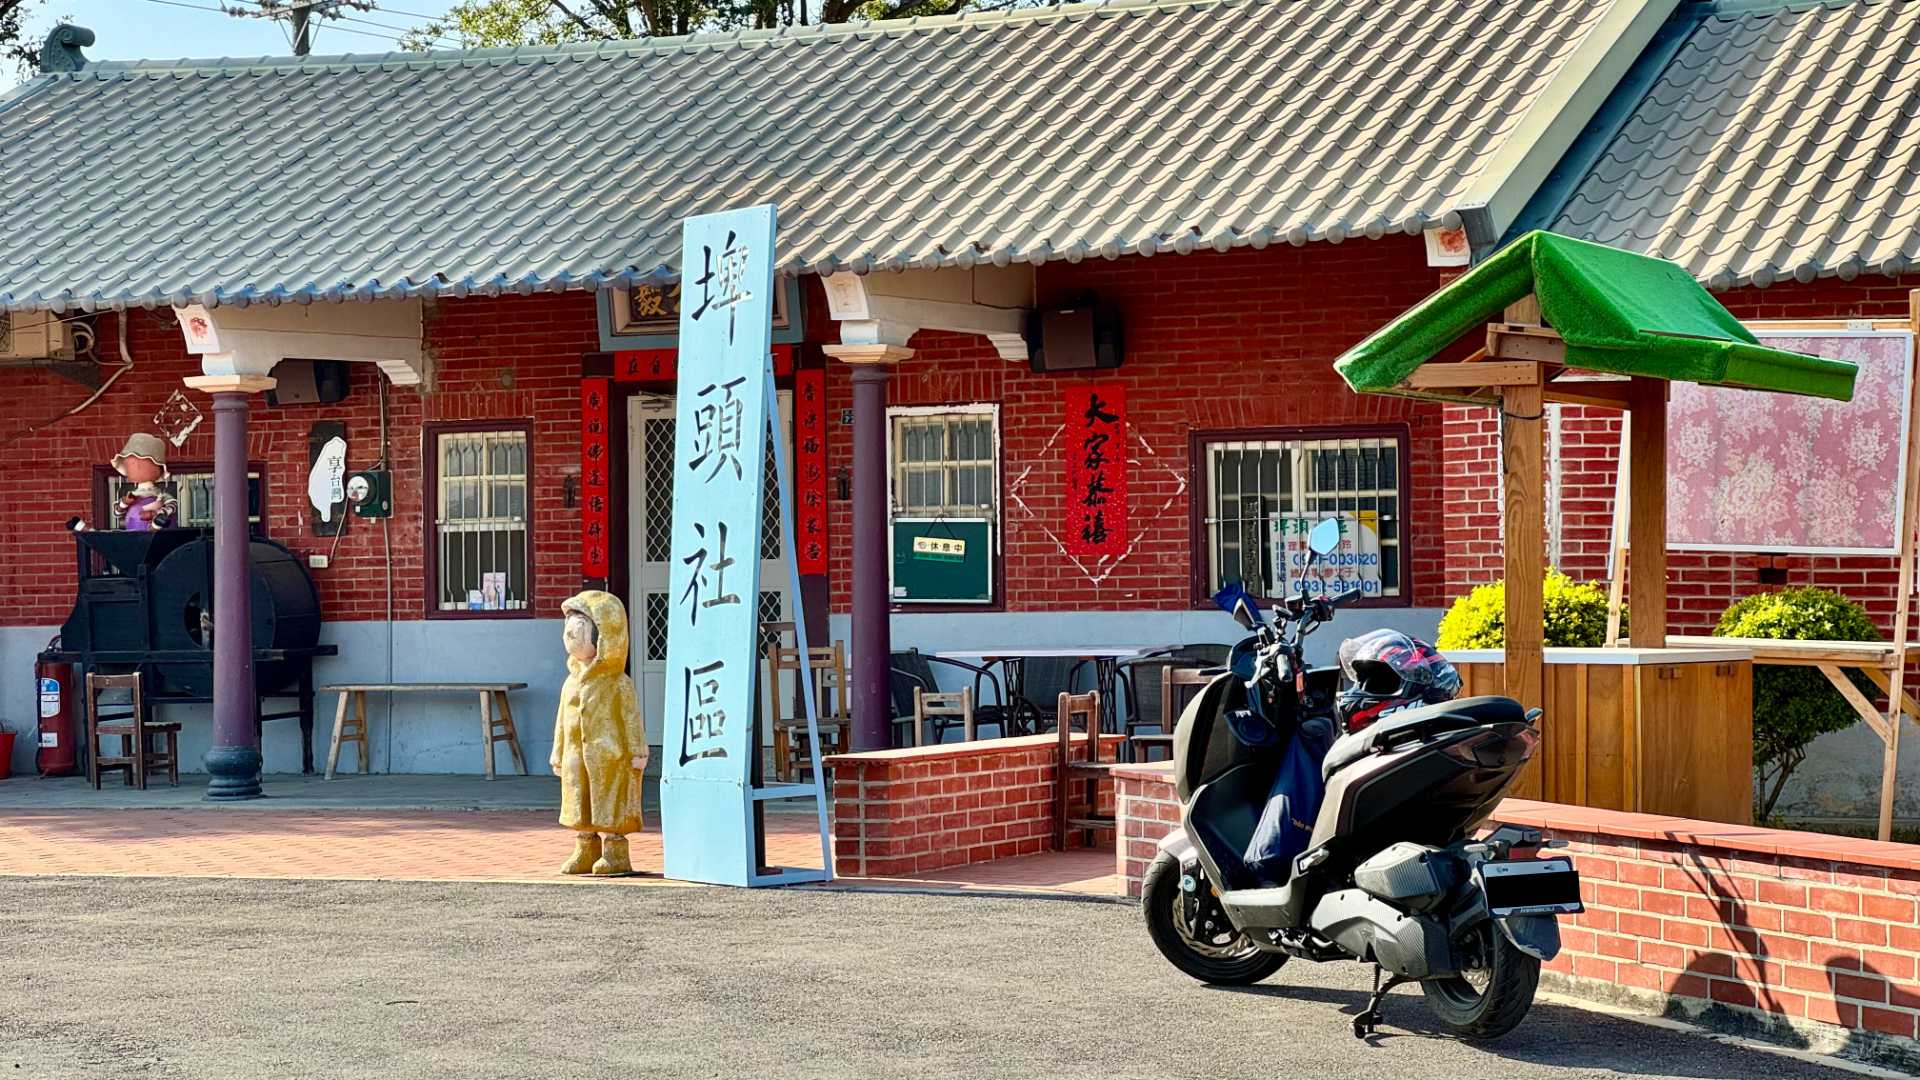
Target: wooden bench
496, 716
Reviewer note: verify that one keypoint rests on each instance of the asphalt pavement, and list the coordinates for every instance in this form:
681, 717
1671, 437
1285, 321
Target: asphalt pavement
249, 980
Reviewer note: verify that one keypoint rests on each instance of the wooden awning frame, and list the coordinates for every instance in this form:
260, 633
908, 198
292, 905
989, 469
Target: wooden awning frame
1520, 369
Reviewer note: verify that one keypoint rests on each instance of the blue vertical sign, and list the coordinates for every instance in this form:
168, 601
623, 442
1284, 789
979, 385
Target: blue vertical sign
724, 409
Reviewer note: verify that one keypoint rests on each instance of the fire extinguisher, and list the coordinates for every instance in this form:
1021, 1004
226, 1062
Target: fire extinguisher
58, 753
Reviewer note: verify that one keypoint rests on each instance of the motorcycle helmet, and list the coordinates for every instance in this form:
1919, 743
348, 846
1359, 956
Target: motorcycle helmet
1386, 671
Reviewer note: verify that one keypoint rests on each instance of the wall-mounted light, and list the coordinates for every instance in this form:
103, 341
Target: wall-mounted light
842, 483
570, 490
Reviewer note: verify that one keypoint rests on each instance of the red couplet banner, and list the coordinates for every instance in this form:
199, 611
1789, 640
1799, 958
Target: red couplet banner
595, 481
810, 469
1096, 449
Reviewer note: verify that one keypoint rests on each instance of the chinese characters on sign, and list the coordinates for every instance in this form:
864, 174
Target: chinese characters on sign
723, 281
662, 365
594, 480
940, 549
722, 404
1355, 564
1096, 449
810, 469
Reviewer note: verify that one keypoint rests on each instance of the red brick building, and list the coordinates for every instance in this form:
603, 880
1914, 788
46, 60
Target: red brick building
484, 246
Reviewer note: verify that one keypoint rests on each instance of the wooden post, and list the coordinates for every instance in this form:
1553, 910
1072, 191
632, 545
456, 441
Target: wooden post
1909, 521
1647, 514
1617, 535
1524, 544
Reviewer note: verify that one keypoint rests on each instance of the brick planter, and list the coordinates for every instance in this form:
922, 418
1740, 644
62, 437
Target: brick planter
932, 807
1799, 937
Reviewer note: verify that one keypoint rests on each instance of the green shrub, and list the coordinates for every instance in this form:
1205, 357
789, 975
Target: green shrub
1792, 706
1575, 614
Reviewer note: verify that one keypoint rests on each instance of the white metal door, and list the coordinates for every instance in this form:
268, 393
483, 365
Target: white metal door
650, 540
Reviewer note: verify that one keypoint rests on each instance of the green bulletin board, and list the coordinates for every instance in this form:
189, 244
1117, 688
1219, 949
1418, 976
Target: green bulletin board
942, 561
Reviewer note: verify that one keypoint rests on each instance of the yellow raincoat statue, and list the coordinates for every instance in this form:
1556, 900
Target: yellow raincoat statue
599, 739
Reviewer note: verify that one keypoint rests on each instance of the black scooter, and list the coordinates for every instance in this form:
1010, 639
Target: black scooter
1392, 875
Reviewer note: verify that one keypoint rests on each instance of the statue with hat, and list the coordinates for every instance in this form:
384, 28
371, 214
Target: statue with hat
600, 747
147, 506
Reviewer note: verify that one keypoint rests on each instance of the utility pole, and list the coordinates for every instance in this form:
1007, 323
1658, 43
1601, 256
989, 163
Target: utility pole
301, 16
302, 36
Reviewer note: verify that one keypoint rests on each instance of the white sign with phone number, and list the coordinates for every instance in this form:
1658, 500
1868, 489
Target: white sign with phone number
1355, 564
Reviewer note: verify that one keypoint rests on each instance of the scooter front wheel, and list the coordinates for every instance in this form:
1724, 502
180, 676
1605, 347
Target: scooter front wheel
1490, 999
1222, 958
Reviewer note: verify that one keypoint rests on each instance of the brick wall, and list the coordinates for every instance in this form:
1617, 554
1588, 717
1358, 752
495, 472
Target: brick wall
1214, 343
1148, 810
1793, 935
512, 358
928, 808
1700, 584
1803, 937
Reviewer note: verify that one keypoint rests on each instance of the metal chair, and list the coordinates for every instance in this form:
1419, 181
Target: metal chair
913, 670
1144, 680
1043, 679
1177, 687
1206, 653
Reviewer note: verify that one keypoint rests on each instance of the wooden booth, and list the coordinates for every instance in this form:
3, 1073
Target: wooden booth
1585, 324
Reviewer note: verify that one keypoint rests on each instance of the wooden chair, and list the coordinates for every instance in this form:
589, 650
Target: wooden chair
937, 707
1175, 682
136, 731
827, 667
1085, 773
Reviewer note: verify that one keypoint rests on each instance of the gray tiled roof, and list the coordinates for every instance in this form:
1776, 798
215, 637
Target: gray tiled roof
1781, 142
1027, 136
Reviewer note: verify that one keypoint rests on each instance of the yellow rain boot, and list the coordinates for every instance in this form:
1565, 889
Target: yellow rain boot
613, 860
586, 849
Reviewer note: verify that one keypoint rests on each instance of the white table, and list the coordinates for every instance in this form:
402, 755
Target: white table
1105, 659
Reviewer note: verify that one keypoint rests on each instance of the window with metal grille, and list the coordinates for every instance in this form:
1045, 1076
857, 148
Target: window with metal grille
1249, 481
481, 532
945, 463
191, 485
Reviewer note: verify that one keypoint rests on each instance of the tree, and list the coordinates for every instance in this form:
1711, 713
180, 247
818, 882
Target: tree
15, 45
501, 23
1792, 706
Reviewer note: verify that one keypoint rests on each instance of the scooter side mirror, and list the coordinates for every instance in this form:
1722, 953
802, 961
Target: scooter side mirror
1324, 539
1243, 614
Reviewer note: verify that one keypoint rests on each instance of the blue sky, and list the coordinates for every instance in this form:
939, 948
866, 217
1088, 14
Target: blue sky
147, 29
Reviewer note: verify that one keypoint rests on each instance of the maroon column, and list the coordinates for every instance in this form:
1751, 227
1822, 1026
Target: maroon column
233, 762
872, 659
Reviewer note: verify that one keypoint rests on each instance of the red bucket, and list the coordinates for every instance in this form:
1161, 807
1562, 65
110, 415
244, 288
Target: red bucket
6, 754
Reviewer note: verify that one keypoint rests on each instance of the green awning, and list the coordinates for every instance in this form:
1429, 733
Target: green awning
1615, 310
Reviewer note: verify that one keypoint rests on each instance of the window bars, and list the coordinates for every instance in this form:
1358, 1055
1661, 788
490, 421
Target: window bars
1250, 481
482, 523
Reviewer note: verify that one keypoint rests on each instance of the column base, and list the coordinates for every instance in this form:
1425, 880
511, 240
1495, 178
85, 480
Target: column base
233, 773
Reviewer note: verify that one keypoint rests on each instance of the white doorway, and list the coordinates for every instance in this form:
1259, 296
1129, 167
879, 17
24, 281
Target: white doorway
650, 541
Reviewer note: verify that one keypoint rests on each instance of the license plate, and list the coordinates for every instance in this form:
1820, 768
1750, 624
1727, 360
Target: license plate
1531, 887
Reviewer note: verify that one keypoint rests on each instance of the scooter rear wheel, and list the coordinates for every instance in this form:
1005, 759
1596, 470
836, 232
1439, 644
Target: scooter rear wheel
1492, 999
1226, 959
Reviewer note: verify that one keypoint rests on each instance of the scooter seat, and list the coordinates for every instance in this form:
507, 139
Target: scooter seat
1471, 712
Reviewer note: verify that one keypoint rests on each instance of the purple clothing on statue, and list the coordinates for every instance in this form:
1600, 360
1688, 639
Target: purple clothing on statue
148, 512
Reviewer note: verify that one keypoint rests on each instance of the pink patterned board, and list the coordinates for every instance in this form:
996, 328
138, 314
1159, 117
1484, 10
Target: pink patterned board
1753, 471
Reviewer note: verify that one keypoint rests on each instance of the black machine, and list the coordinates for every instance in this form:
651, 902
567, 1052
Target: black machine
145, 603
1392, 874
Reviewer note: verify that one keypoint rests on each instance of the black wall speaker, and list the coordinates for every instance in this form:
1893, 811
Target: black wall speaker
308, 382
1083, 336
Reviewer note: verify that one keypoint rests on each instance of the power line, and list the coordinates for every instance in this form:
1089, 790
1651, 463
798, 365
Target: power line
277, 9
377, 6
299, 50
